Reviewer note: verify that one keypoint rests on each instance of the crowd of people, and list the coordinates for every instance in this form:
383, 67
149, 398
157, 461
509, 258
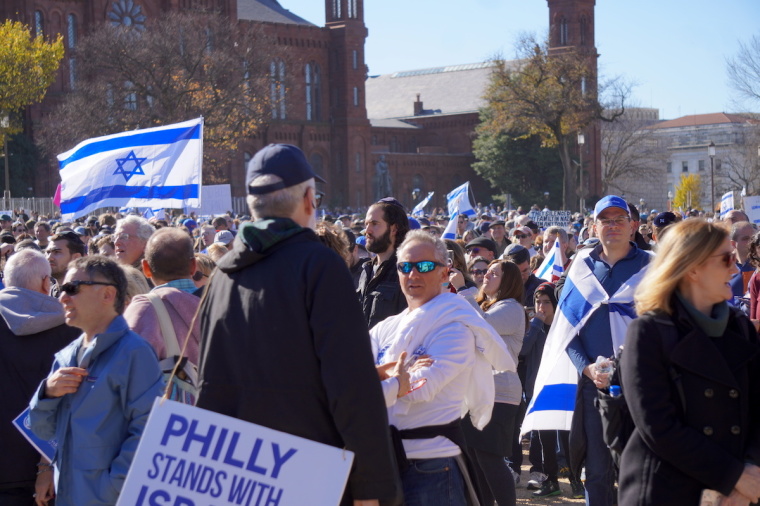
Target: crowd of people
371, 332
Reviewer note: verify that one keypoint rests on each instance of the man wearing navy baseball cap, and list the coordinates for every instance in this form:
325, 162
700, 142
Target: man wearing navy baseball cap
273, 353
614, 261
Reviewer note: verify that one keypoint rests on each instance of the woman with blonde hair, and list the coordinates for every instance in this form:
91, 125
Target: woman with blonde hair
690, 374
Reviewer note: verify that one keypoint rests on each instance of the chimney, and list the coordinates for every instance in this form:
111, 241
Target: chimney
418, 106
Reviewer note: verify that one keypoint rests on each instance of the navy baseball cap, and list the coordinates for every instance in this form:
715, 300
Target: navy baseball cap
611, 201
664, 219
283, 160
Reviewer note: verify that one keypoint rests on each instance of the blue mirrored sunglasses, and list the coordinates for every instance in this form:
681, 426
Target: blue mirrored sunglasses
422, 267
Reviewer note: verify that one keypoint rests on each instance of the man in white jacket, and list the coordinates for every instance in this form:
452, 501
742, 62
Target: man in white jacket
463, 348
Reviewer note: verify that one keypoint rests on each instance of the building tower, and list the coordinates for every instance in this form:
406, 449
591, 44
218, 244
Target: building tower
350, 172
571, 26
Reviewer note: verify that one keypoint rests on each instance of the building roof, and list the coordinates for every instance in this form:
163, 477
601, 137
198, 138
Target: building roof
716, 118
391, 123
269, 11
442, 90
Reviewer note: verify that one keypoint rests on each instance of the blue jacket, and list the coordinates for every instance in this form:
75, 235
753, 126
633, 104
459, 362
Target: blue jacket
98, 427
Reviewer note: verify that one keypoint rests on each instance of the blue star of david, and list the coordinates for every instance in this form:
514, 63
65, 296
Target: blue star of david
131, 157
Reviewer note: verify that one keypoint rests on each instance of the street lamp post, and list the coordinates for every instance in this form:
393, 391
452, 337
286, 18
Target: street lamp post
581, 142
711, 154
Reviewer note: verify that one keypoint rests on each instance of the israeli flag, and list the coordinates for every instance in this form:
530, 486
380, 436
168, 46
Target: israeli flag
726, 203
458, 201
418, 209
551, 268
557, 380
451, 227
155, 167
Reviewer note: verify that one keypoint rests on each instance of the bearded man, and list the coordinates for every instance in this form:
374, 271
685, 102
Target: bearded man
379, 290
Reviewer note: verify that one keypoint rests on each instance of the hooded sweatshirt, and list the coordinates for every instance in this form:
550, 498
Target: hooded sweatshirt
32, 330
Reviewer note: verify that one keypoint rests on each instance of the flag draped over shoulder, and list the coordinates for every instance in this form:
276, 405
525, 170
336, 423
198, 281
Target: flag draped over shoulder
155, 167
418, 209
551, 268
554, 393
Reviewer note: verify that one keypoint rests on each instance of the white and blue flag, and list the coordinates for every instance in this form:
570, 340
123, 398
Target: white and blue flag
458, 201
726, 203
418, 209
155, 167
551, 268
557, 380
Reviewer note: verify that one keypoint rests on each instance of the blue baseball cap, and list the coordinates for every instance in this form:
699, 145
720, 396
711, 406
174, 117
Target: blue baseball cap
611, 201
413, 224
282, 160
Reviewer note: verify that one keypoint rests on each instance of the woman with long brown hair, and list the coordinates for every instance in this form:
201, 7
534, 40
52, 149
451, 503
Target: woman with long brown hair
499, 300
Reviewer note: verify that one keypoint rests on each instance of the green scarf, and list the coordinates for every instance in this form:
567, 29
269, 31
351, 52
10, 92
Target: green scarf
713, 325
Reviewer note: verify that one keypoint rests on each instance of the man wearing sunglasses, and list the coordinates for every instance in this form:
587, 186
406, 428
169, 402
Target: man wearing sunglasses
273, 352
441, 326
100, 390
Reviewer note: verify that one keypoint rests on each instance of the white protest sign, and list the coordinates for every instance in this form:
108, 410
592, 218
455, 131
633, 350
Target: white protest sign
546, 219
192, 457
215, 199
752, 208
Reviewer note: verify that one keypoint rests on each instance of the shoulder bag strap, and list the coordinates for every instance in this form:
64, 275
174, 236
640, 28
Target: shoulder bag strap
167, 329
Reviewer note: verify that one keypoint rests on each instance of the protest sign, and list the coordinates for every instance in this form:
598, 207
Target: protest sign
47, 448
215, 199
546, 219
752, 208
192, 457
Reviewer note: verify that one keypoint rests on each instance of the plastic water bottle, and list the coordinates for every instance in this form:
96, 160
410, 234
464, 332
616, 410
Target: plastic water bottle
615, 391
603, 365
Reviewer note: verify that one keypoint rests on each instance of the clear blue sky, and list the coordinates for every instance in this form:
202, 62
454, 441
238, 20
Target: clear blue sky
675, 50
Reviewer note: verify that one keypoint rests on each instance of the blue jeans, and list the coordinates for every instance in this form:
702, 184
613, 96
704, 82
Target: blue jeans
433, 482
600, 478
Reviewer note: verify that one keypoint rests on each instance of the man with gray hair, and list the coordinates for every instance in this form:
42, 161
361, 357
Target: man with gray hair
32, 329
130, 237
290, 364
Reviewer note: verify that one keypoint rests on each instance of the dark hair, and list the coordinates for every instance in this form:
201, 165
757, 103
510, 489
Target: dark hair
219, 220
73, 242
104, 267
510, 287
459, 261
394, 214
547, 289
43, 224
754, 250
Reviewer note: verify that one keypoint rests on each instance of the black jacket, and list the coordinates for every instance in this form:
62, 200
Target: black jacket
275, 353
674, 454
380, 296
25, 360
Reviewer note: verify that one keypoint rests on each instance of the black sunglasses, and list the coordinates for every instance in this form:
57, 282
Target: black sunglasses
199, 275
72, 287
479, 272
729, 258
422, 267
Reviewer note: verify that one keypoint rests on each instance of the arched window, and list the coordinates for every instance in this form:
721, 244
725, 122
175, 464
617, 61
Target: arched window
71, 31
313, 79
72, 73
39, 23
336, 9
563, 38
584, 31
277, 88
356, 96
130, 96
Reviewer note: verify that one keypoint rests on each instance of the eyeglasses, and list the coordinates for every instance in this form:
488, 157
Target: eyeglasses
199, 275
521, 236
478, 272
422, 267
72, 287
618, 221
729, 258
123, 237
474, 251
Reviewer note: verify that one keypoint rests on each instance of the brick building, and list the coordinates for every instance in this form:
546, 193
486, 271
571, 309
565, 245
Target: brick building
421, 139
